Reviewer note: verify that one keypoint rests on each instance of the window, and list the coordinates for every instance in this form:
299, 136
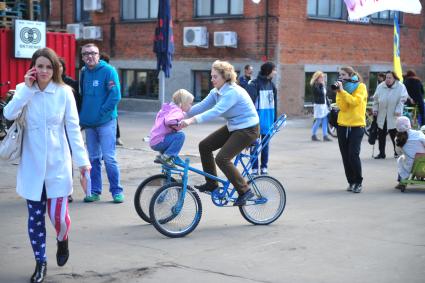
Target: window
80, 14
140, 84
208, 8
139, 9
385, 17
333, 9
201, 84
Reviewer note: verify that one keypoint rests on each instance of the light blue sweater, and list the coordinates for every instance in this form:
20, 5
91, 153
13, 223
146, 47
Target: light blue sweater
231, 102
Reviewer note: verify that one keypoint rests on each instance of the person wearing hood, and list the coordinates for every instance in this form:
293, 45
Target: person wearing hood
388, 102
100, 90
264, 95
410, 142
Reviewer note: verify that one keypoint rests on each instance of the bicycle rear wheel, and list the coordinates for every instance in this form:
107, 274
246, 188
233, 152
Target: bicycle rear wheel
173, 216
145, 191
270, 203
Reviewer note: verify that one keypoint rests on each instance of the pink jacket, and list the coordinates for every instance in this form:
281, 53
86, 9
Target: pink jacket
166, 122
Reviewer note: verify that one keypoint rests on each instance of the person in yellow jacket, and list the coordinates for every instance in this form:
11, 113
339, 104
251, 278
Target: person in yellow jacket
351, 99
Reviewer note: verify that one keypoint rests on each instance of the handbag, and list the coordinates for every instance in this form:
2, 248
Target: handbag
11, 145
373, 131
333, 117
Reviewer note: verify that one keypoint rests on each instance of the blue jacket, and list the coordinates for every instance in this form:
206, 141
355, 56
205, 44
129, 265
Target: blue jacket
264, 95
101, 92
232, 103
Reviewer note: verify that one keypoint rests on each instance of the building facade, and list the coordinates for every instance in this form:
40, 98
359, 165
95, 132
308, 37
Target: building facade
300, 37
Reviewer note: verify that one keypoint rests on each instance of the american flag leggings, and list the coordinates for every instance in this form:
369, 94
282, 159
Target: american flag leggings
59, 216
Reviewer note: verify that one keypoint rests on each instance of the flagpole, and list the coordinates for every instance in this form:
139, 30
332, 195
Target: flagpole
161, 78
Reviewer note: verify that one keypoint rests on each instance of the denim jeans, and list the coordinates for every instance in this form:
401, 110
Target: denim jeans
264, 155
101, 144
171, 145
317, 122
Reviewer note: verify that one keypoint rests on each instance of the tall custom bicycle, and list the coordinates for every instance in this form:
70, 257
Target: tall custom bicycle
175, 209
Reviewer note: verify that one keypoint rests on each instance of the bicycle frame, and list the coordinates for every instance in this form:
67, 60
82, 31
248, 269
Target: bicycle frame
224, 195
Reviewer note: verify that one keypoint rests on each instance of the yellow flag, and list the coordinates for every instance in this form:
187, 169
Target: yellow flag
397, 61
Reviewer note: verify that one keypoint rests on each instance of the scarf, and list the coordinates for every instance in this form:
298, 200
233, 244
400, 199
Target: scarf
350, 87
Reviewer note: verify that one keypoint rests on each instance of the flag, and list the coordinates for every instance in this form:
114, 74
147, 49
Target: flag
397, 61
362, 8
164, 39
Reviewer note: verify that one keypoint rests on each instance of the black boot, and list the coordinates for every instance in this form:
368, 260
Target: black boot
39, 272
62, 254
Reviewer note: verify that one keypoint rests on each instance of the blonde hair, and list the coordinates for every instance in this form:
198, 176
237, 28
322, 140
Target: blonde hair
315, 76
182, 96
226, 70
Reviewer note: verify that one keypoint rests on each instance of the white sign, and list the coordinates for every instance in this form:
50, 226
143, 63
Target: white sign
29, 36
362, 8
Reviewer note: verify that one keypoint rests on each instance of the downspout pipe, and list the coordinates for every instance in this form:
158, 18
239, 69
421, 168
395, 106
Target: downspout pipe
266, 39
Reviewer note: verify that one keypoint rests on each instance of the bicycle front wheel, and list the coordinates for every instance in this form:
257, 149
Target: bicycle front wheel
172, 214
270, 203
145, 191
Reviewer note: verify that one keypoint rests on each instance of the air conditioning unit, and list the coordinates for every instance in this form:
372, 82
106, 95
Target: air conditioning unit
76, 29
195, 36
92, 32
225, 39
92, 5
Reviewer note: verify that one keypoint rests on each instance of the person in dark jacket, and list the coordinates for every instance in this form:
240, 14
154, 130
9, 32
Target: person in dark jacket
415, 89
71, 82
321, 107
264, 95
246, 77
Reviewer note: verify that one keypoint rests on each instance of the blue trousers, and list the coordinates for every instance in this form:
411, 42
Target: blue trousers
171, 145
320, 121
264, 155
101, 145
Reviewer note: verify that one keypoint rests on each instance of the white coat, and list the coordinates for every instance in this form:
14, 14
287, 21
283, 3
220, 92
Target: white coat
415, 144
388, 101
46, 157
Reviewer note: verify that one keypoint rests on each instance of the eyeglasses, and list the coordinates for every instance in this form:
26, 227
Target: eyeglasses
90, 54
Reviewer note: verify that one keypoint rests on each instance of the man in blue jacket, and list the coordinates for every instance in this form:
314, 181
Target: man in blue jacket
100, 90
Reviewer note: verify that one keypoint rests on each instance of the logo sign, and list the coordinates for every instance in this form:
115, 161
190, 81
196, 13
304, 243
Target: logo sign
29, 36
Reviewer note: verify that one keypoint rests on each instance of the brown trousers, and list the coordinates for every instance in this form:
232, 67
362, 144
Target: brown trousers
230, 144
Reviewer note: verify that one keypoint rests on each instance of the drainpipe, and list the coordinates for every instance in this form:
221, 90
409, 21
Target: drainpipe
266, 41
61, 8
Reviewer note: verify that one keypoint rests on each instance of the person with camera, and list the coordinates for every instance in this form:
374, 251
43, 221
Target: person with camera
388, 102
351, 99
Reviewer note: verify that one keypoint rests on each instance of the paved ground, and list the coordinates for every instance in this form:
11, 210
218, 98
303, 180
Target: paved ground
325, 234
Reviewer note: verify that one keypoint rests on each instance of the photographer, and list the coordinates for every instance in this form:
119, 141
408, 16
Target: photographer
351, 99
388, 102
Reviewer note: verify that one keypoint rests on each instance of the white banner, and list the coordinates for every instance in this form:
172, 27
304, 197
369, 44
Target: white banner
361, 8
29, 36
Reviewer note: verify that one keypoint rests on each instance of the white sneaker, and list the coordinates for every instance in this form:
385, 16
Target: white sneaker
254, 172
264, 171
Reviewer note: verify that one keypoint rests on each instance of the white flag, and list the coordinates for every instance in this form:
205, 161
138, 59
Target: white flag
362, 8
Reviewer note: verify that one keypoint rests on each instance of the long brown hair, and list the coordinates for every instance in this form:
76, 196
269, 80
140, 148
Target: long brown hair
350, 71
54, 60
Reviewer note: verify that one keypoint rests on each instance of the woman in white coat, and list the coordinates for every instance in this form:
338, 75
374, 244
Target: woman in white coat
44, 176
388, 102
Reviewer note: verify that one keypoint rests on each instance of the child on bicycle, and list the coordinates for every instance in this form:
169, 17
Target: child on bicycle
165, 136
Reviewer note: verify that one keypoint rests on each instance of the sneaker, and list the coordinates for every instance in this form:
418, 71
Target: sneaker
70, 199
254, 172
166, 160
118, 198
357, 188
380, 156
264, 171
350, 187
396, 155
241, 200
314, 138
92, 198
327, 139
119, 142
400, 187
206, 187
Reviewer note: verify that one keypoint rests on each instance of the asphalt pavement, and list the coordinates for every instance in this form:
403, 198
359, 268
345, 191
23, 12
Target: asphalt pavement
325, 234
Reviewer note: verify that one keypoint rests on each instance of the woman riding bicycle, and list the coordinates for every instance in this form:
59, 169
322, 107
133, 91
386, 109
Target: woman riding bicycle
232, 102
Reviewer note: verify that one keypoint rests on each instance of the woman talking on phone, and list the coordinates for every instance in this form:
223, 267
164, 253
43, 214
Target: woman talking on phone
351, 99
44, 176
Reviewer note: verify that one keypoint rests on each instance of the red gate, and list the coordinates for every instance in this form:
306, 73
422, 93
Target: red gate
12, 69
